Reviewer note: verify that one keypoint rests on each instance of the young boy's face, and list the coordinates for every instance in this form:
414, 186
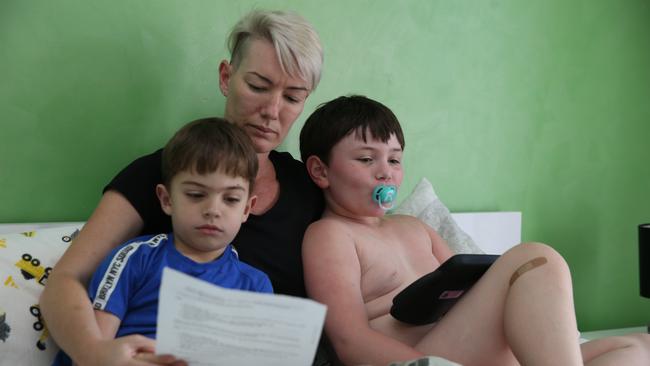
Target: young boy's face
356, 167
206, 210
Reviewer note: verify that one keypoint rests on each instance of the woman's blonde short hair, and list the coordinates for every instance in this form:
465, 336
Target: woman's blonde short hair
296, 42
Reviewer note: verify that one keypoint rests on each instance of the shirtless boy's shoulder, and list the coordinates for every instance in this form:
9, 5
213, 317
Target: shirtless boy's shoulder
326, 225
401, 219
338, 227
328, 236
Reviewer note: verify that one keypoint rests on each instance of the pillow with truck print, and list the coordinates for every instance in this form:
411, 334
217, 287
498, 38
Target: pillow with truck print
26, 260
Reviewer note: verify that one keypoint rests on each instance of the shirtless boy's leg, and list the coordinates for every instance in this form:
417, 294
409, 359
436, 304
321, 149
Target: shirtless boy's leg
523, 307
633, 349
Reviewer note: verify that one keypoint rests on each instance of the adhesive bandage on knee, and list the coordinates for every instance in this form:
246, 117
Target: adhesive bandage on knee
531, 264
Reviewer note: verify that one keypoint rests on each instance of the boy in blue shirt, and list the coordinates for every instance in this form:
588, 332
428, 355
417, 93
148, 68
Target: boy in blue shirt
209, 168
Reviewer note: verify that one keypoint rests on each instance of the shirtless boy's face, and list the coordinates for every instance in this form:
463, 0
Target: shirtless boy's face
356, 168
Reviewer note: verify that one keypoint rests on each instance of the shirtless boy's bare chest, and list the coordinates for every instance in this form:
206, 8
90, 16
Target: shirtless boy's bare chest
390, 259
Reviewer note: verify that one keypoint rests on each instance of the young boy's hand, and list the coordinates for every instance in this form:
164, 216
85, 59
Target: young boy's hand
132, 350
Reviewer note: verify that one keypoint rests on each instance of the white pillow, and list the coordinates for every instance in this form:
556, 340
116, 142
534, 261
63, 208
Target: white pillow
424, 204
26, 260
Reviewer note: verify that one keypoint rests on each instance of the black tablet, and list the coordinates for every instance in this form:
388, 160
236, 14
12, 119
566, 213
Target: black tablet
430, 297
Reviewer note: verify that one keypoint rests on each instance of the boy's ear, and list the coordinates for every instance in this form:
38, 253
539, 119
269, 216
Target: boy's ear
249, 206
164, 198
225, 71
317, 170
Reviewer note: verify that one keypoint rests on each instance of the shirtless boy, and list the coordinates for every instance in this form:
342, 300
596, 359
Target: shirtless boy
356, 259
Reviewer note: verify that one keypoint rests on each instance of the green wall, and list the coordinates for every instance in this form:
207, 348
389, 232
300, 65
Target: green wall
534, 106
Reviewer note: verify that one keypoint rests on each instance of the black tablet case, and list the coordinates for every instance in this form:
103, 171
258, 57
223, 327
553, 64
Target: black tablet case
430, 297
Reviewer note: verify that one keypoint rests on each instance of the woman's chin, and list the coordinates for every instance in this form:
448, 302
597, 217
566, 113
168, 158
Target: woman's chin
263, 146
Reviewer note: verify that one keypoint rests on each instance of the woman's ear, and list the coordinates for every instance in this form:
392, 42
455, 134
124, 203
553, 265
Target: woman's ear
164, 198
317, 170
225, 71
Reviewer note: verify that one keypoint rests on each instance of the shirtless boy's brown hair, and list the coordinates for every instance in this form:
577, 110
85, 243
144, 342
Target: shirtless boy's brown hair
334, 120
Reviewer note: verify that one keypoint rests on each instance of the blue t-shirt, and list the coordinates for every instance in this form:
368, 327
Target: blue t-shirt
127, 282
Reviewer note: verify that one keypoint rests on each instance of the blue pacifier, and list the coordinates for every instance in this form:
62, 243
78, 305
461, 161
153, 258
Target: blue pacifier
384, 195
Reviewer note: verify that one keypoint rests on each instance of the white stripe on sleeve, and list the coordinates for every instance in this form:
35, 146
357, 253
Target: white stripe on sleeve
115, 268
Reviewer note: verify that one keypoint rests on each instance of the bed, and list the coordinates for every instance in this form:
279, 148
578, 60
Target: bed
29, 250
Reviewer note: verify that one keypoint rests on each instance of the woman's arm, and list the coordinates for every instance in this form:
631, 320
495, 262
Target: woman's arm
333, 277
108, 323
64, 302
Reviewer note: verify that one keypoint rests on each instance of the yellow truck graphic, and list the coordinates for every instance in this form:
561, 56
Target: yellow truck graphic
31, 268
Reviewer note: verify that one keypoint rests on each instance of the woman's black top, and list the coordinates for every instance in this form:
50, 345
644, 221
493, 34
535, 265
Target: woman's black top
270, 242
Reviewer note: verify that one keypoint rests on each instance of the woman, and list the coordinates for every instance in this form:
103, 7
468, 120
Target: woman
276, 61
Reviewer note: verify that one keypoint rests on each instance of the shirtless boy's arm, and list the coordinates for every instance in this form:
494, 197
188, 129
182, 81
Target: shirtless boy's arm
333, 277
439, 247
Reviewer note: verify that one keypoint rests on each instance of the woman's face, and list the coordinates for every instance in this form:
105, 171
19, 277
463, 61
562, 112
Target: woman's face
260, 97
